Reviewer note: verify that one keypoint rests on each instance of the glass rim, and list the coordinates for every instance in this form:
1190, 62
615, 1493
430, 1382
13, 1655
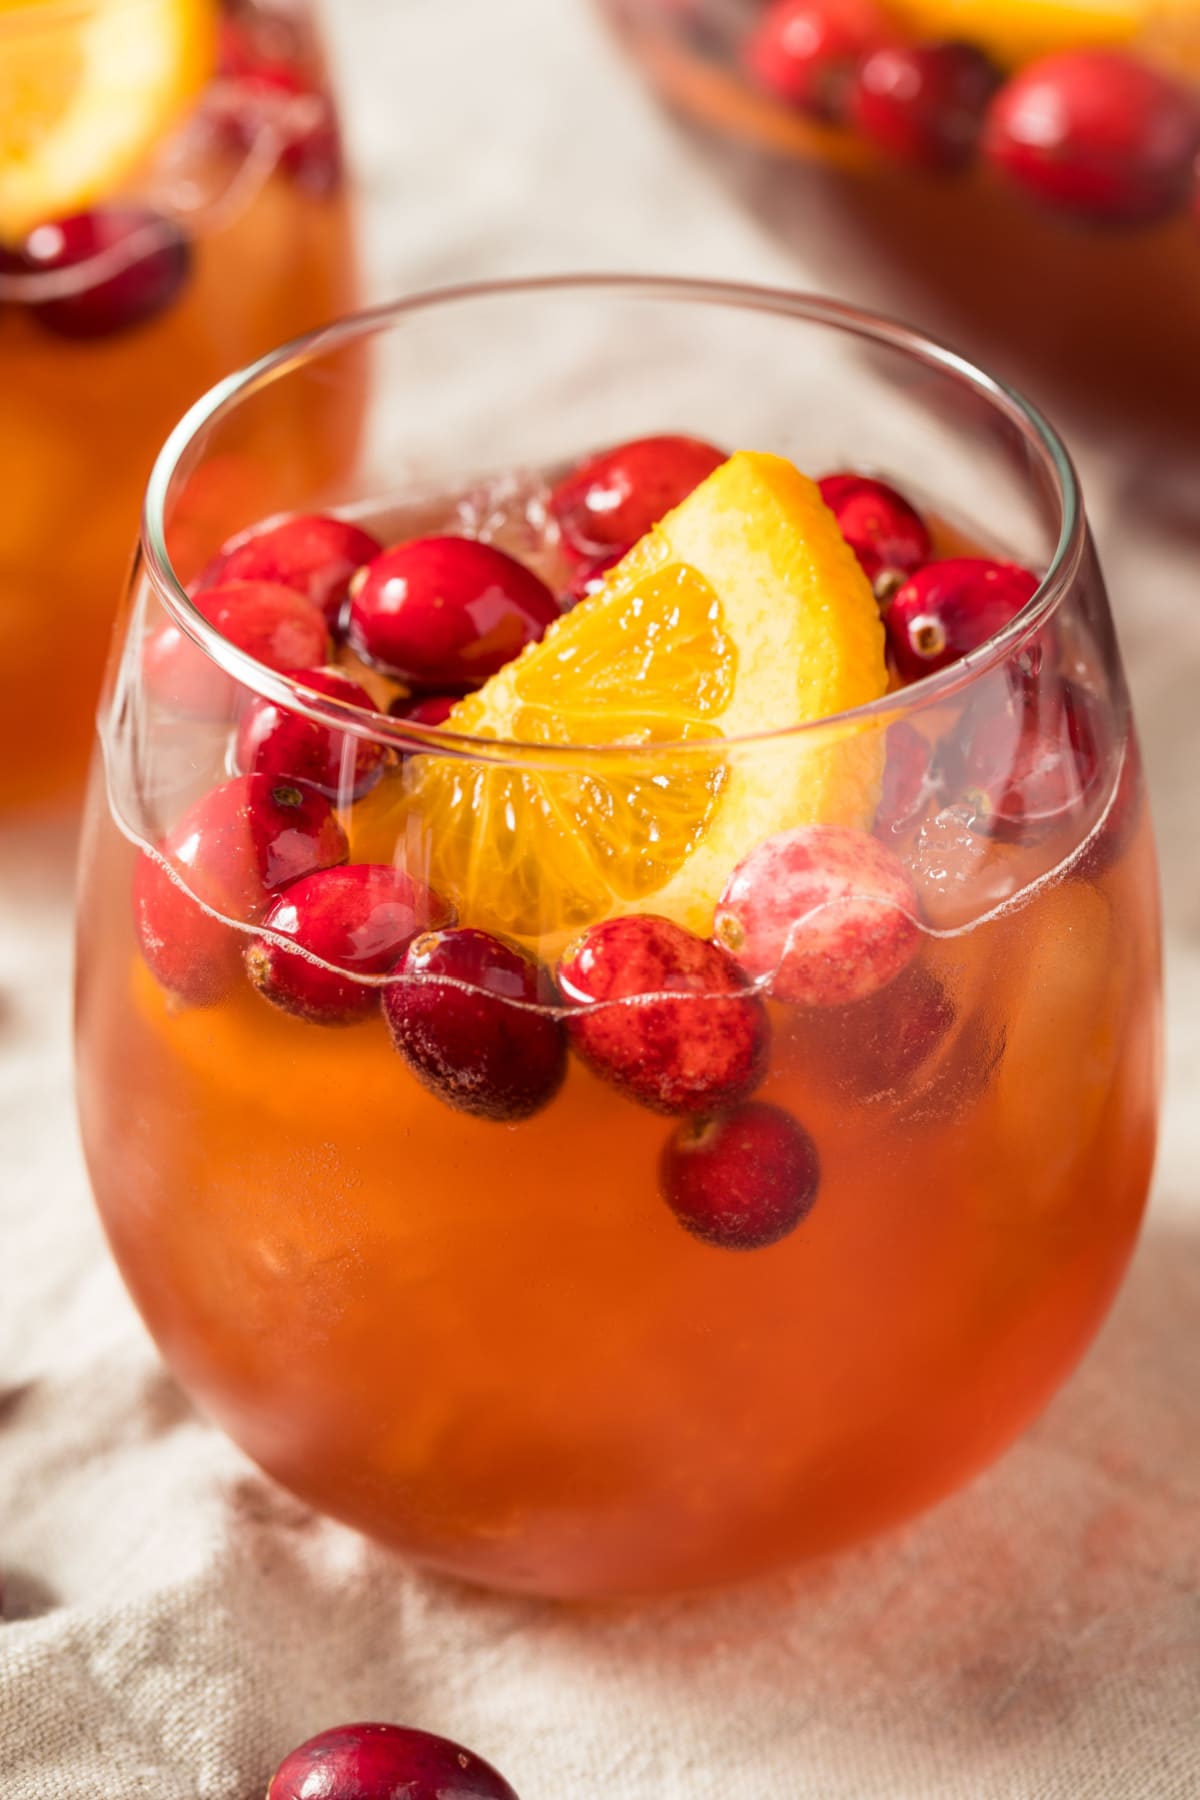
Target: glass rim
289, 691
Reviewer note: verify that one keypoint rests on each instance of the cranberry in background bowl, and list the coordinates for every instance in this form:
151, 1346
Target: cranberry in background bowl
953, 149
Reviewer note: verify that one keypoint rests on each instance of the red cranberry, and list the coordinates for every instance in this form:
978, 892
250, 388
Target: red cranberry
668, 1018
949, 608
887, 534
468, 1014
313, 155
188, 951
904, 1048
588, 577
274, 97
447, 612
878, 1046
804, 52
237, 51
118, 268
946, 1085
274, 741
270, 622
234, 848
246, 839
385, 1762
434, 709
742, 1181
909, 780
311, 552
924, 104
614, 498
822, 914
360, 918
1098, 133
274, 625
1032, 757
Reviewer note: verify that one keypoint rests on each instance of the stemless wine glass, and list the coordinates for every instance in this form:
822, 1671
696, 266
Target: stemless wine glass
515, 1344
133, 274
954, 146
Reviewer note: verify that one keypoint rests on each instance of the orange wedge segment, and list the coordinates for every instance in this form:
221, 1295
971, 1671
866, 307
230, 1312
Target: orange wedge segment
743, 612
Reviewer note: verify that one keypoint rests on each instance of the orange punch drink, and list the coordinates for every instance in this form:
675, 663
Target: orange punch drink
172, 203
619, 974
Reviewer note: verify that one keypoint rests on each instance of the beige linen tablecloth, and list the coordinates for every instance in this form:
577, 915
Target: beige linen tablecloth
176, 1623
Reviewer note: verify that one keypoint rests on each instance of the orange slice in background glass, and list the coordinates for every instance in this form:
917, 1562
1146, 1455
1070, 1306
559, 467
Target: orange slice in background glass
87, 87
1016, 31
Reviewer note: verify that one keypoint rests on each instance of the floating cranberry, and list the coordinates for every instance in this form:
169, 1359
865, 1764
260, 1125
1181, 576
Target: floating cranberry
117, 268
877, 1047
385, 1762
189, 952
313, 155
907, 1048
274, 741
269, 621
951, 607
234, 849
360, 918
252, 836
273, 624
1032, 757
237, 51
1098, 133
822, 914
313, 553
805, 52
924, 104
909, 780
588, 577
614, 498
271, 97
664, 1016
886, 533
468, 1012
434, 709
742, 1181
447, 612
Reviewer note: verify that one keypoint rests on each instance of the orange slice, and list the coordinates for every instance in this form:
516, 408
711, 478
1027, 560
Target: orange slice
1016, 31
85, 92
743, 612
